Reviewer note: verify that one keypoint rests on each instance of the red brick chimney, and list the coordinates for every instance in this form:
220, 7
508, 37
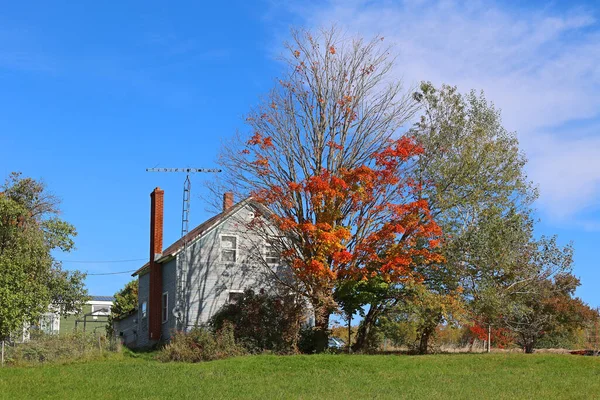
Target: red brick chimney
227, 201
156, 244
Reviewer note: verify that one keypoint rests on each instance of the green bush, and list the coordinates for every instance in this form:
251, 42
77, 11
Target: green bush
58, 349
263, 322
201, 344
306, 342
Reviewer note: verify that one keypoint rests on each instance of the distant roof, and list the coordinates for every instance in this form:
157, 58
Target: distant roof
103, 298
195, 233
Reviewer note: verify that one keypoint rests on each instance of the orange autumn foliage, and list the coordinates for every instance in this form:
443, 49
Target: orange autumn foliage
354, 232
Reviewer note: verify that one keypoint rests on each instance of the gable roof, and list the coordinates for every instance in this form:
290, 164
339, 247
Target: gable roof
194, 234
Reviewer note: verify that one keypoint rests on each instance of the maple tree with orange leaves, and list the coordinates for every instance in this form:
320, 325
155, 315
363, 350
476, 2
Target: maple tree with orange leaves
356, 224
324, 158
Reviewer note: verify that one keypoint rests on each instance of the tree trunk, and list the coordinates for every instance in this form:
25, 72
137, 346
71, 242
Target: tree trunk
528, 344
349, 332
321, 331
365, 327
529, 347
424, 341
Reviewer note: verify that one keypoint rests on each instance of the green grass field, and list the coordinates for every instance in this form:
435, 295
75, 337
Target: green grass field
463, 376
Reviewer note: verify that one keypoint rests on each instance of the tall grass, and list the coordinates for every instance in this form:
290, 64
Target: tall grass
44, 349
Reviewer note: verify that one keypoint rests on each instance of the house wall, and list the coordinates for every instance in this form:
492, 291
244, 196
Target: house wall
169, 276
143, 292
126, 329
210, 280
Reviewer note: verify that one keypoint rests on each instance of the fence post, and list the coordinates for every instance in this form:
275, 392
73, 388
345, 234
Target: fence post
489, 341
3, 353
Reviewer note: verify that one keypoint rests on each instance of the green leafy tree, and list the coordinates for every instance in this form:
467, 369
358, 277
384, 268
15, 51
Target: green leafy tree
32, 282
490, 258
352, 296
575, 321
126, 301
544, 302
470, 165
478, 171
414, 317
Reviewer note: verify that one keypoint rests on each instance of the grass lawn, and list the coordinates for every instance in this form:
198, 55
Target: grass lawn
464, 376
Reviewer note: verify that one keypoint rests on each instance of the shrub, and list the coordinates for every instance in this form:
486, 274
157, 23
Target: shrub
58, 349
263, 322
306, 341
201, 344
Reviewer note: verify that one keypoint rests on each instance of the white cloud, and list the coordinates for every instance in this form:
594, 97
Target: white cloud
568, 172
539, 66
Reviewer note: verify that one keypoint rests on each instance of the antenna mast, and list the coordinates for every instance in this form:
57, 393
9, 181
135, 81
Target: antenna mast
185, 222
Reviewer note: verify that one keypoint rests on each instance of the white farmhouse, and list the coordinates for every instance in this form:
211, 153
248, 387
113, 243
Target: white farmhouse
183, 285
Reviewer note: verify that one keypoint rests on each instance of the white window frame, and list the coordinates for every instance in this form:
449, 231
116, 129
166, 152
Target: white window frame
237, 246
101, 307
236, 291
49, 323
144, 309
266, 246
165, 307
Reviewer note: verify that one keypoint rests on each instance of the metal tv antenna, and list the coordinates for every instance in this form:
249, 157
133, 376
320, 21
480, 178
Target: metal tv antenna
185, 227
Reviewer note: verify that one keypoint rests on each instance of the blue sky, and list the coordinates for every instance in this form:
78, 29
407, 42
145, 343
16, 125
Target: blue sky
94, 93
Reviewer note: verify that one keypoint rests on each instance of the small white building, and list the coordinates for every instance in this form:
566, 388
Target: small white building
92, 318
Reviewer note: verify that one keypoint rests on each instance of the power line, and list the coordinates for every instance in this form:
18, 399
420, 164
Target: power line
102, 262
112, 273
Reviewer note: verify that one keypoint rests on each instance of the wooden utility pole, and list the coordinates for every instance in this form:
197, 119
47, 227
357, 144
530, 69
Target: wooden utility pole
596, 332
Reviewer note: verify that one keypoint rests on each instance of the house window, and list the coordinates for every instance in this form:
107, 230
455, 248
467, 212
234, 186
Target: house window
165, 307
235, 296
228, 249
50, 323
271, 254
100, 309
144, 309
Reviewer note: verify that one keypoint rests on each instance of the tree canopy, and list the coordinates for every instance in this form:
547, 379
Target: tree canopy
32, 282
434, 220
322, 156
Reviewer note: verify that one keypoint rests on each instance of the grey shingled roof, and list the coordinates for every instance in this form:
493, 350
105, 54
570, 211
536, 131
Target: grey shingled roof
102, 298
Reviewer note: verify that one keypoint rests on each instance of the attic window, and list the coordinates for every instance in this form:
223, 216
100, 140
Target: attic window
228, 249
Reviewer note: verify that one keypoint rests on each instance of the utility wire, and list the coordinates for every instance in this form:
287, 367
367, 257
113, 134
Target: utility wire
102, 262
113, 273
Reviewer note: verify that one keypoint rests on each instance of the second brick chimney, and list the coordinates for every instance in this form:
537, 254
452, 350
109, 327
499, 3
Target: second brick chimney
227, 201
156, 244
